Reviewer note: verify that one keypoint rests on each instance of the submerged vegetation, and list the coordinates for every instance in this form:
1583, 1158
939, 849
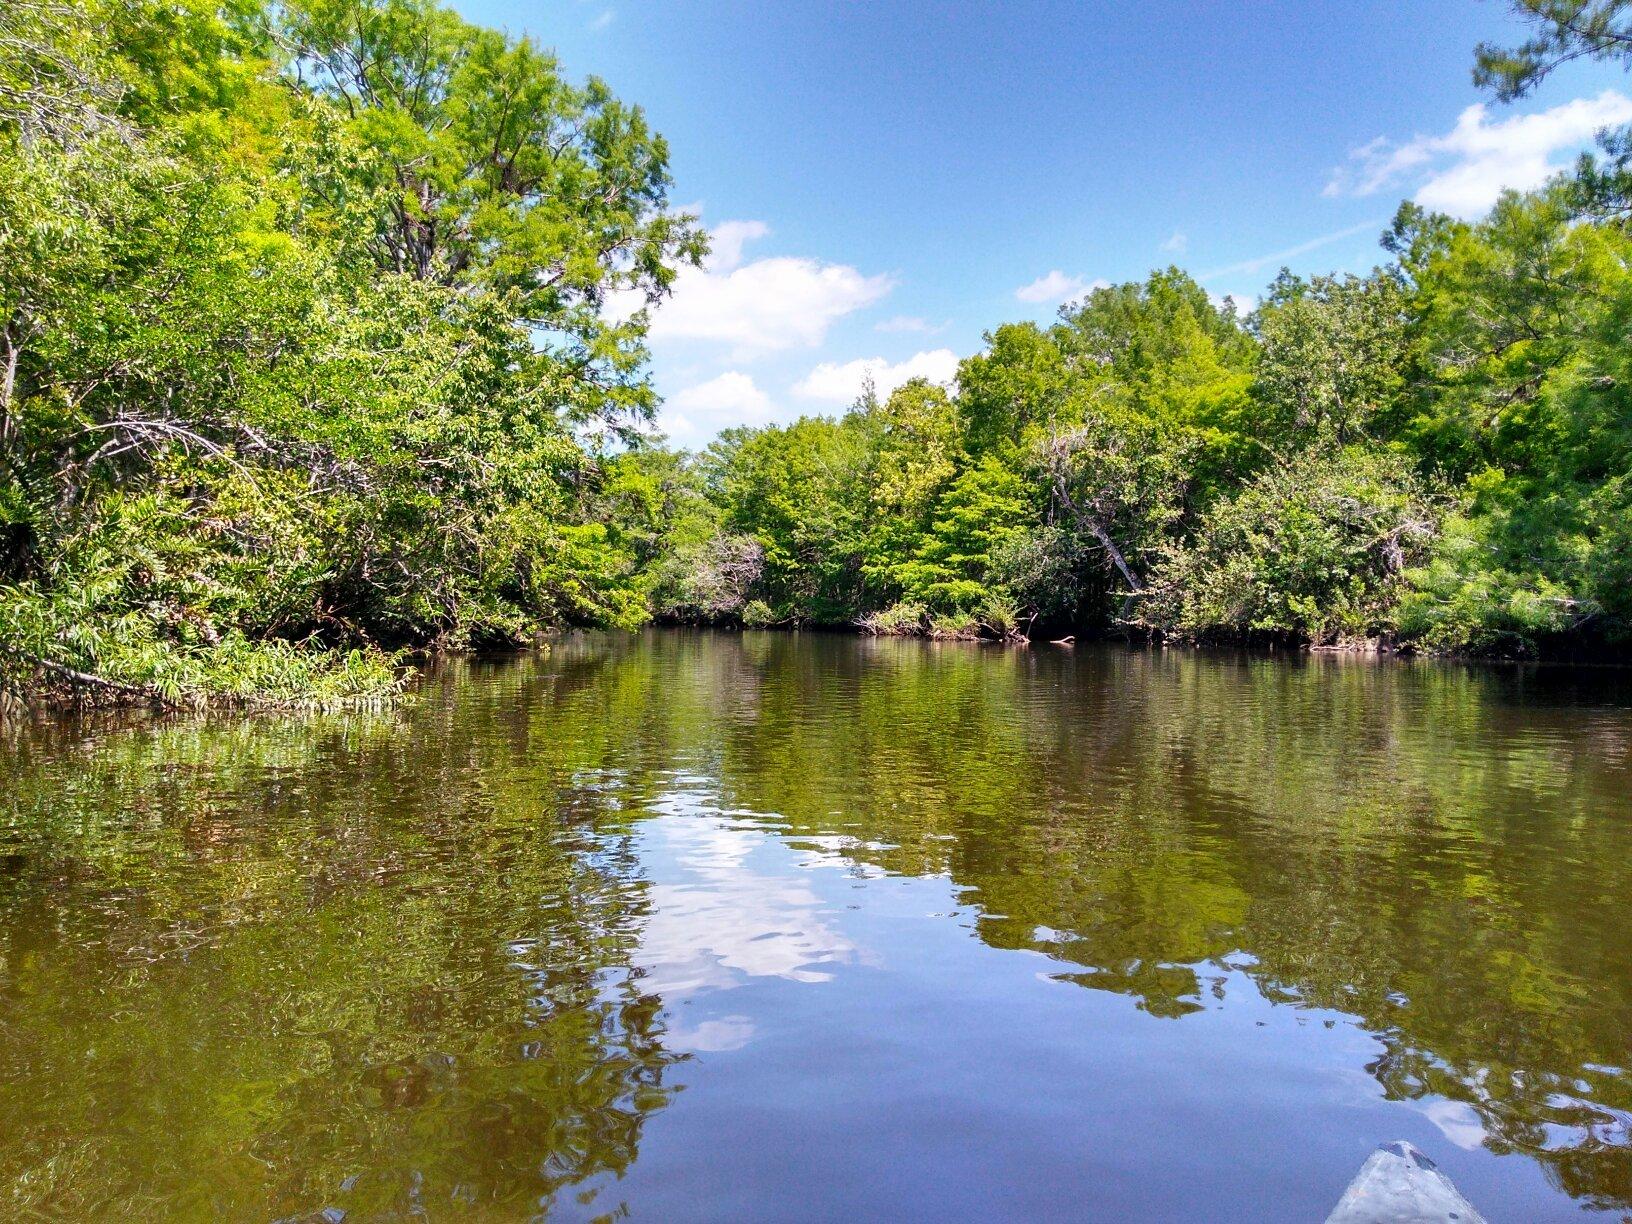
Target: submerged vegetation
322, 338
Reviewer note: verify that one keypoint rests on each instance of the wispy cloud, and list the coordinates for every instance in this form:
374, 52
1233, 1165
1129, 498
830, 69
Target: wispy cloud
914, 324
1465, 170
1056, 286
603, 20
1176, 243
1276, 258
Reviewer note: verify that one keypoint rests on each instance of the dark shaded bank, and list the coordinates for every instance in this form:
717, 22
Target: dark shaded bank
1596, 662
1584, 649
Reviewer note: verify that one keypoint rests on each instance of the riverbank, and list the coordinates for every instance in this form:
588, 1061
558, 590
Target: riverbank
235, 675
277, 676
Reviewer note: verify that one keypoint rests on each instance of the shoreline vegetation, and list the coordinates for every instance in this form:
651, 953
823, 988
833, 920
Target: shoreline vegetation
322, 347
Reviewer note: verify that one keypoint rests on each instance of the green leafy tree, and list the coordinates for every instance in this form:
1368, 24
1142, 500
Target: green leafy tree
979, 514
1316, 549
1334, 357
1566, 30
489, 169
245, 429
1522, 318
801, 492
917, 449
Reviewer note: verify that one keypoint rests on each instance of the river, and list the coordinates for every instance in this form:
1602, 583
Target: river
692, 926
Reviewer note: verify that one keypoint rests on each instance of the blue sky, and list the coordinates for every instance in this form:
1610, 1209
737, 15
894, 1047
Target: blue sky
886, 181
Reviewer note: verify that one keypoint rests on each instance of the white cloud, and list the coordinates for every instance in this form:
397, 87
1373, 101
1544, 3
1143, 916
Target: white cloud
727, 399
841, 384
1176, 243
1056, 286
675, 423
764, 305
720, 920
910, 323
711, 1036
727, 239
1464, 171
1276, 258
604, 20
1457, 1121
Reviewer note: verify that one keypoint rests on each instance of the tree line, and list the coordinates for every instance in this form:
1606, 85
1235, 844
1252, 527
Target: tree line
304, 342
1436, 456
306, 358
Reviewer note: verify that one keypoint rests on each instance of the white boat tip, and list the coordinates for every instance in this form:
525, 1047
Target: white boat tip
1399, 1184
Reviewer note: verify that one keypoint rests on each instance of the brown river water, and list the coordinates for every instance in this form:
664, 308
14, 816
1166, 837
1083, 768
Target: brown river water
690, 926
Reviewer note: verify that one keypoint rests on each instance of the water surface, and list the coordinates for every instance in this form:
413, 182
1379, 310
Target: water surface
797, 927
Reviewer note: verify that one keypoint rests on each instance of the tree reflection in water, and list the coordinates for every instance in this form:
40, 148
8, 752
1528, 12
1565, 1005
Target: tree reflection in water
268, 967
439, 954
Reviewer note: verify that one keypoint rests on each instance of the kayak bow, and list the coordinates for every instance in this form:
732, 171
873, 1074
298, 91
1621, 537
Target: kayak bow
1400, 1185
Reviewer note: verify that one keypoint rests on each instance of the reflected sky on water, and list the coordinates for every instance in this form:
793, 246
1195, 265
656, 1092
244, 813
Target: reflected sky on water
697, 926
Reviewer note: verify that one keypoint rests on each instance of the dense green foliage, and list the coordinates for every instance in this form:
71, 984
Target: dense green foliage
305, 358
1436, 455
303, 342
